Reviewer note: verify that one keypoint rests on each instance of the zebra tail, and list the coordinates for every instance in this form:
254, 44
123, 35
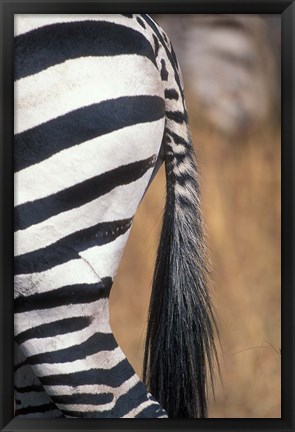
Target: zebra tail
180, 348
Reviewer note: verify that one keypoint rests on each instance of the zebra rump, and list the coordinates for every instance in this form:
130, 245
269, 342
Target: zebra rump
99, 104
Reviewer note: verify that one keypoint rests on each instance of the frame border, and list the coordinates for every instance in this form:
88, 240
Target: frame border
287, 11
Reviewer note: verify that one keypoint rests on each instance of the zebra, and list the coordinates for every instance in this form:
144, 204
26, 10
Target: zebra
99, 104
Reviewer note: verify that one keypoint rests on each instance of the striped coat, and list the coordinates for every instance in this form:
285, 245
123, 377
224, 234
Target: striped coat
97, 97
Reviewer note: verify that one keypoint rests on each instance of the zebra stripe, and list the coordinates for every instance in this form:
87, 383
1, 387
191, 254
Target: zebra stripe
64, 269
97, 98
63, 326
82, 193
81, 125
36, 49
89, 73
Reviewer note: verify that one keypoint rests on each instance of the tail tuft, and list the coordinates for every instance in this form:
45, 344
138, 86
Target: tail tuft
180, 346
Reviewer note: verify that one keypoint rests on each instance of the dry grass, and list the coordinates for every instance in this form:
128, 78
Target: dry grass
241, 203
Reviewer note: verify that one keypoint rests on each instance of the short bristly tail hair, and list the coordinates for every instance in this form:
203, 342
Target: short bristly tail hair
180, 348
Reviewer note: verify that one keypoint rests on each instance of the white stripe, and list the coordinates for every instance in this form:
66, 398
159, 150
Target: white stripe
120, 203
101, 360
87, 160
27, 320
70, 273
56, 390
50, 344
184, 167
179, 129
132, 413
105, 259
24, 23
81, 82
117, 392
88, 408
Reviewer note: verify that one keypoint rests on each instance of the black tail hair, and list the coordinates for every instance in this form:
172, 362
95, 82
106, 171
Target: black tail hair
180, 347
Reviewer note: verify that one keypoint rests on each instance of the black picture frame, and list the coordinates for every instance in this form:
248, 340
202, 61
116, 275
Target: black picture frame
287, 11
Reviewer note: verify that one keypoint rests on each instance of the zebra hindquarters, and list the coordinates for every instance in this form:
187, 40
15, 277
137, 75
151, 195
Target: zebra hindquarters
89, 123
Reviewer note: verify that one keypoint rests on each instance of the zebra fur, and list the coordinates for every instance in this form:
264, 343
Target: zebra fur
72, 220
180, 336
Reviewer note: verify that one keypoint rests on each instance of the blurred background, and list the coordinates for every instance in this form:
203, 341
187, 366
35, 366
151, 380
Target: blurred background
231, 71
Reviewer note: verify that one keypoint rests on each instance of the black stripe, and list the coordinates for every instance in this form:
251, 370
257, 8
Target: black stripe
182, 157
164, 72
157, 46
64, 326
94, 344
139, 20
131, 399
36, 409
28, 389
171, 94
53, 44
67, 295
174, 58
40, 142
19, 365
177, 116
79, 194
165, 37
176, 138
69, 247
113, 377
184, 202
125, 403
170, 56
184, 178
84, 398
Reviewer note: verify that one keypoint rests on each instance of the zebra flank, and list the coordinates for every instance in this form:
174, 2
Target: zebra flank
99, 104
